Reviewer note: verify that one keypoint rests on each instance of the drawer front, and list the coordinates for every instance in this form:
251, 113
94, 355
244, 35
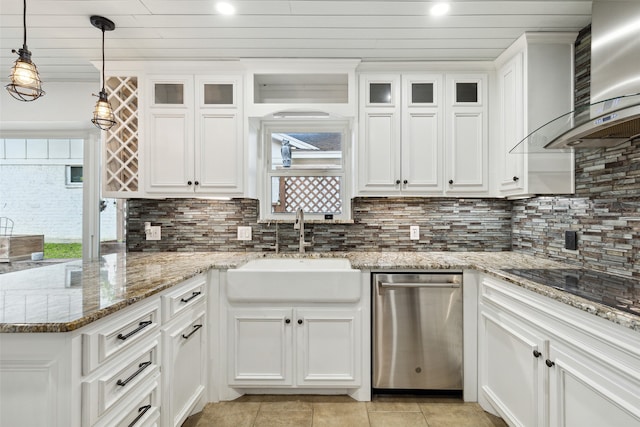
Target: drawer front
184, 296
119, 380
141, 410
118, 333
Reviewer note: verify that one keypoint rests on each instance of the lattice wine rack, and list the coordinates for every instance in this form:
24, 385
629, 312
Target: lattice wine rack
121, 148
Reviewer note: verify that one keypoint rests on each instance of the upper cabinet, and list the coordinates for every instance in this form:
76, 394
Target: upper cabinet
407, 120
535, 85
194, 138
300, 88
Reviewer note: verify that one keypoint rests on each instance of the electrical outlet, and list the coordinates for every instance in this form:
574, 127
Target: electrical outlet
414, 232
153, 232
244, 233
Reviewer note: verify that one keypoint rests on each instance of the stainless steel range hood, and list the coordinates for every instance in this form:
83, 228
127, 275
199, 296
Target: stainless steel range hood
613, 117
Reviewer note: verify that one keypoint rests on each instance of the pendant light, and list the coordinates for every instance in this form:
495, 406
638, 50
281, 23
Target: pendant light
103, 116
25, 82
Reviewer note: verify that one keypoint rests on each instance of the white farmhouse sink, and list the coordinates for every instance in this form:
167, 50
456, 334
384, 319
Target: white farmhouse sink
294, 280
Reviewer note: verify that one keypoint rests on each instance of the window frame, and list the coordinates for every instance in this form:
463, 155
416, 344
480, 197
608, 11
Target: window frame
266, 172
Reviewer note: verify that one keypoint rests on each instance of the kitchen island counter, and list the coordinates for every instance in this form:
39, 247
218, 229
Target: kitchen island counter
67, 296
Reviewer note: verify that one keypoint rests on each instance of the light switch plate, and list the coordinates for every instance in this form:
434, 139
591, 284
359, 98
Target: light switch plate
414, 232
153, 233
244, 233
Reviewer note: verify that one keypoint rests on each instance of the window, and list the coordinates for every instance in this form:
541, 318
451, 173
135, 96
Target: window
74, 176
306, 168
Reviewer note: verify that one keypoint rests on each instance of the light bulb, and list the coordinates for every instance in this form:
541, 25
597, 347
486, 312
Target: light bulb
24, 74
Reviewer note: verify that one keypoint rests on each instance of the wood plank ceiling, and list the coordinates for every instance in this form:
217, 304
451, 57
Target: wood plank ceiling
63, 42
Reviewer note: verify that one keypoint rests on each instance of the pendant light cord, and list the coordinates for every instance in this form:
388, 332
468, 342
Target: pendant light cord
103, 82
24, 24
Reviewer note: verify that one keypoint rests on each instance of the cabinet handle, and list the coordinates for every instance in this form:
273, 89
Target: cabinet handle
141, 367
287, 321
450, 181
536, 353
196, 183
549, 363
405, 182
397, 182
193, 295
142, 410
188, 182
515, 178
195, 329
299, 321
140, 327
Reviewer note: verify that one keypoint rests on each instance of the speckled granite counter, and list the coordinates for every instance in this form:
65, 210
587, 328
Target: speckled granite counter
67, 296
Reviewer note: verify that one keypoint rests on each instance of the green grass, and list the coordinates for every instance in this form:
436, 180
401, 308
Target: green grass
62, 250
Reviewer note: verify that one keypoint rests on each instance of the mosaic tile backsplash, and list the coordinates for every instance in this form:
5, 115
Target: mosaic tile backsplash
380, 224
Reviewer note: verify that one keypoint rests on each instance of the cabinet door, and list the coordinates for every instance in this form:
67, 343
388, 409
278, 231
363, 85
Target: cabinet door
219, 147
259, 347
511, 128
379, 147
169, 148
184, 366
422, 144
328, 347
586, 391
511, 369
466, 134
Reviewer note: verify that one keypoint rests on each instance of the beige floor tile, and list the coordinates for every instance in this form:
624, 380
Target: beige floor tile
284, 418
286, 406
228, 420
397, 419
404, 405
332, 398
340, 415
455, 414
496, 421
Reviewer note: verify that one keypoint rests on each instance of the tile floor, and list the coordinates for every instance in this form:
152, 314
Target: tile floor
338, 411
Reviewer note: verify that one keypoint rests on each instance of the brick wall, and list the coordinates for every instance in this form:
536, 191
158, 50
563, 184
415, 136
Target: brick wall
605, 211
380, 224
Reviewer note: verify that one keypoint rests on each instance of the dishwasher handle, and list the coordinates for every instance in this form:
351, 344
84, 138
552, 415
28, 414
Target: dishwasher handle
419, 285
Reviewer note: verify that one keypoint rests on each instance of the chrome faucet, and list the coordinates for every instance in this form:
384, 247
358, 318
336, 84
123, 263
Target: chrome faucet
299, 225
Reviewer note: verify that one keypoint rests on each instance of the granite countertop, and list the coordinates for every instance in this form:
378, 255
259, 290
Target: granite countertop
67, 296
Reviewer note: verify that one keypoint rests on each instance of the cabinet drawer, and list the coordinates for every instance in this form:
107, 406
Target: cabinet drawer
184, 296
119, 332
120, 379
141, 410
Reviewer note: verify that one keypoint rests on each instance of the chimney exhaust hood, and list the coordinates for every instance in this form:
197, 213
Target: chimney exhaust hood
613, 117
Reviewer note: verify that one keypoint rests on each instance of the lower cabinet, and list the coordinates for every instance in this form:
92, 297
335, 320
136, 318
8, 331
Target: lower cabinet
543, 363
294, 347
184, 365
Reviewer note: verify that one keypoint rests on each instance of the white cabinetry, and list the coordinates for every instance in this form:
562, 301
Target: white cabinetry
535, 85
310, 347
136, 367
405, 122
184, 375
542, 363
194, 138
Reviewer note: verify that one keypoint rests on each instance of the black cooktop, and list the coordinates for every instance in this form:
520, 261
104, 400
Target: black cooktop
618, 292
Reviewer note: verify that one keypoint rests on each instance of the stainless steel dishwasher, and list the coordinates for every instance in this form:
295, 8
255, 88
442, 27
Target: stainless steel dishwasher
417, 331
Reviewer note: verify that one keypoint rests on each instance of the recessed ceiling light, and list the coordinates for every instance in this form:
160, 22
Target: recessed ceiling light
225, 8
439, 9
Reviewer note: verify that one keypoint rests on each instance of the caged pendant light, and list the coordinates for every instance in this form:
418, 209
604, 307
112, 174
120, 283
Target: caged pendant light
103, 116
25, 84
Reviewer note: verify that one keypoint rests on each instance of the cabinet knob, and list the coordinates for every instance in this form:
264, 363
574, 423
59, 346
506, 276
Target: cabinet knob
536, 353
287, 321
299, 321
196, 183
405, 182
515, 178
397, 181
549, 363
450, 181
189, 182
